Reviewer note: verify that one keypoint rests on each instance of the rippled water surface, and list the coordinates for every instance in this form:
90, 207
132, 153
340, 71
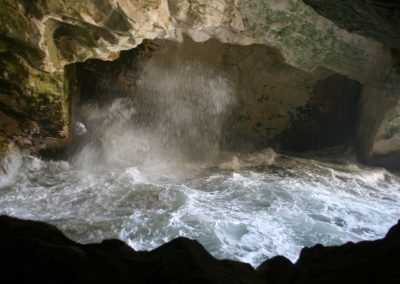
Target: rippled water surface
245, 207
150, 166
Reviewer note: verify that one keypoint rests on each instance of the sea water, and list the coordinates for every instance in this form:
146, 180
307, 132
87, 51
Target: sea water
246, 207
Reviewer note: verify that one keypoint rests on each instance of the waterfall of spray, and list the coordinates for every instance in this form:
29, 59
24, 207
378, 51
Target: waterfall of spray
189, 106
176, 113
9, 167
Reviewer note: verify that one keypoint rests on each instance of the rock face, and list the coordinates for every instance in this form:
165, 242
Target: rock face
53, 33
33, 105
377, 19
271, 102
379, 123
37, 252
37, 39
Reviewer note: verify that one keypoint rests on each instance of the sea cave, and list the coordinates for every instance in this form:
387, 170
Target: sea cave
177, 141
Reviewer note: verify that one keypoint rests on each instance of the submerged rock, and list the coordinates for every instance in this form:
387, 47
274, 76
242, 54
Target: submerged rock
34, 251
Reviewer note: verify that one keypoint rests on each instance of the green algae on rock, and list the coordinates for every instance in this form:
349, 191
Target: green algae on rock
34, 107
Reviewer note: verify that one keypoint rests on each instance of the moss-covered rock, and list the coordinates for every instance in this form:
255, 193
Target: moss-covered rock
33, 105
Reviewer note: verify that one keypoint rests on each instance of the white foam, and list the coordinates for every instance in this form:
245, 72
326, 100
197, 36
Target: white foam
373, 177
135, 176
242, 161
249, 213
9, 167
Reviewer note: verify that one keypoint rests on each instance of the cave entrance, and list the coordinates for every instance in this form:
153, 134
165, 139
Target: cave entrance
202, 98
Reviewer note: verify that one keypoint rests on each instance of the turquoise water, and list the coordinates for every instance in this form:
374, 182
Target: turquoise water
246, 207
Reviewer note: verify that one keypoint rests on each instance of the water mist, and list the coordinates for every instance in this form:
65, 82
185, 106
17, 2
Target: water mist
175, 113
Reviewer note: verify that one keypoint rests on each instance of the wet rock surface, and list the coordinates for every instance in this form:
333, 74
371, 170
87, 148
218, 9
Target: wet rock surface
37, 252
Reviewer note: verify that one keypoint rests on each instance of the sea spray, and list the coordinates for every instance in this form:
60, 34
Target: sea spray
176, 113
9, 167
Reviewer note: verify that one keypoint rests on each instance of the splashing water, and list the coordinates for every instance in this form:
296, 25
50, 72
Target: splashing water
177, 113
246, 212
150, 168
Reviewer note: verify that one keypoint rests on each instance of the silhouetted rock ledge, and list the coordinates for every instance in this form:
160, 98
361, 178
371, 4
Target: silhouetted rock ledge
36, 252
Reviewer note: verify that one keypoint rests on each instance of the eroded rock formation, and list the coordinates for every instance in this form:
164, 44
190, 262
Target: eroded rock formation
271, 102
379, 121
39, 38
36, 252
377, 19
54, 33
379, 125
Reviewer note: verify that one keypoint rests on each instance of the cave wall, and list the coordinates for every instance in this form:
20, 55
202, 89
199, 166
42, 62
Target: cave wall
34, 106
52, 33
378, 136
377, 19
42, 37
272, 103
379, 123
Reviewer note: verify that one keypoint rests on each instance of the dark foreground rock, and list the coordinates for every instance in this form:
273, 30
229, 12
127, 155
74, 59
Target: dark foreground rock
35, 252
